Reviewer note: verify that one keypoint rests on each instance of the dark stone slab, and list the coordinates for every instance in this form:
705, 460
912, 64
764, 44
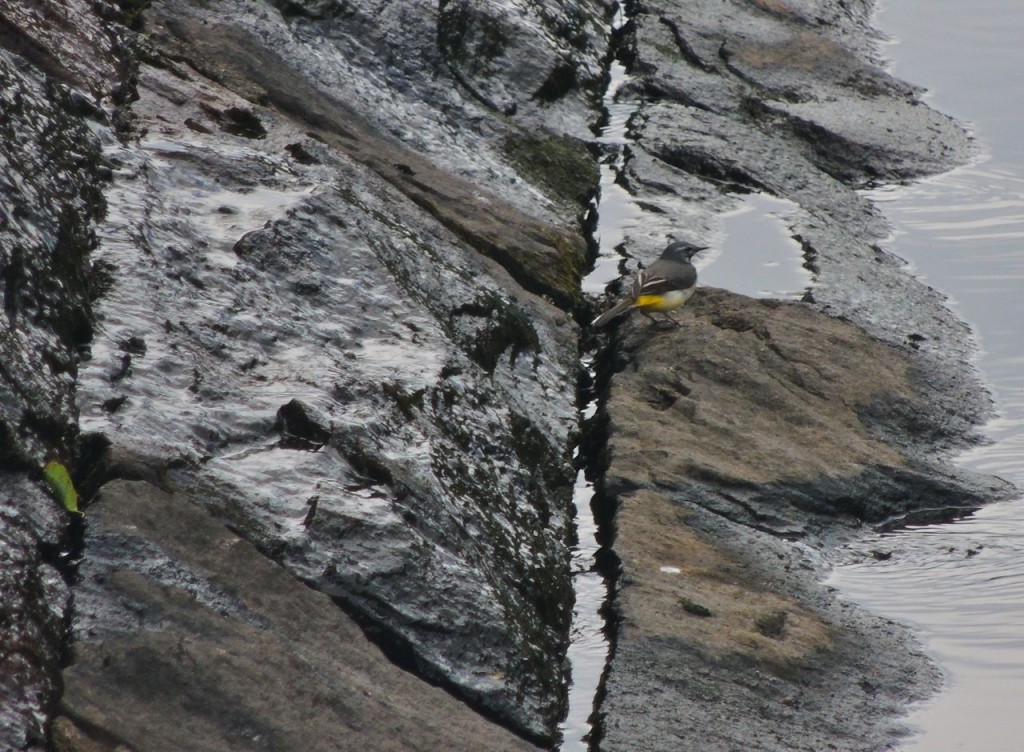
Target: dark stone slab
189, 638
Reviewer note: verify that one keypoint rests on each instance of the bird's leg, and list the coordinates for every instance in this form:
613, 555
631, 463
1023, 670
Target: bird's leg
667, 322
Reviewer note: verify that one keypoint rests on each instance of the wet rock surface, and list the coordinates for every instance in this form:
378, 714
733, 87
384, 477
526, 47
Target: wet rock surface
304, 273
342, 347
755, 422
323, 352
778, 416
189, 638
49, 199
742, 445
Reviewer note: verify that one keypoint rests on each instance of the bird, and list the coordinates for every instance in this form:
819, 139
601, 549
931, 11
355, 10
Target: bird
663, 286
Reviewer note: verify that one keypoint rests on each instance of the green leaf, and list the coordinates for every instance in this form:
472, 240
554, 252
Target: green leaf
60, 483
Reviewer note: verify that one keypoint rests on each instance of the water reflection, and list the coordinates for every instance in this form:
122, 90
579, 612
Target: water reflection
962, 584
757, 254
616, 213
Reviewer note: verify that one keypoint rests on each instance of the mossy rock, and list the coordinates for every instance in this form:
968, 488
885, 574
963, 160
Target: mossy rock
561, 166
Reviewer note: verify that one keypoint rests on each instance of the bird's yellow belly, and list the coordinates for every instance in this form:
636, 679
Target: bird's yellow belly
668, 301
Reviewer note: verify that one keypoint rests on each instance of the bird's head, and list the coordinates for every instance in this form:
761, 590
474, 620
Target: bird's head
680, 250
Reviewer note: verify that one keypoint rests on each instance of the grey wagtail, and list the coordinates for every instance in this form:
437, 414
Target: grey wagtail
663, 286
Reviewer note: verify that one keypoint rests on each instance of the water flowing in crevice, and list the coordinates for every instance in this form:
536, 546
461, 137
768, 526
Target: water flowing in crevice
590, 645
594, 563
753, 252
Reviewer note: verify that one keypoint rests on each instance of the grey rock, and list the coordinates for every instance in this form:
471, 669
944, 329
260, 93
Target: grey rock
767, 455
49, 201
33, 621
326, 318
194, 640
763, 438
310, 326
335, 363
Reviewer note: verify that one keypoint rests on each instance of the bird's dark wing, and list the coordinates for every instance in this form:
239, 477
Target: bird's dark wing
656, 281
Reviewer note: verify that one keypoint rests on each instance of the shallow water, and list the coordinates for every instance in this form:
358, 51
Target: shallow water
754, 252
962, 585
616, 213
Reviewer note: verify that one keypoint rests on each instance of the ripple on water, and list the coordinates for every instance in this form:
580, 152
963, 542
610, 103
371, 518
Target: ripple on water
961, 585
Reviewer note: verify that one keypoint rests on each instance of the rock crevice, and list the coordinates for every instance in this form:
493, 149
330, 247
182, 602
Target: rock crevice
292, 288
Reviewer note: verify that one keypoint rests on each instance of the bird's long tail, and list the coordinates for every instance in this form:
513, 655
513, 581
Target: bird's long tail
616, 310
